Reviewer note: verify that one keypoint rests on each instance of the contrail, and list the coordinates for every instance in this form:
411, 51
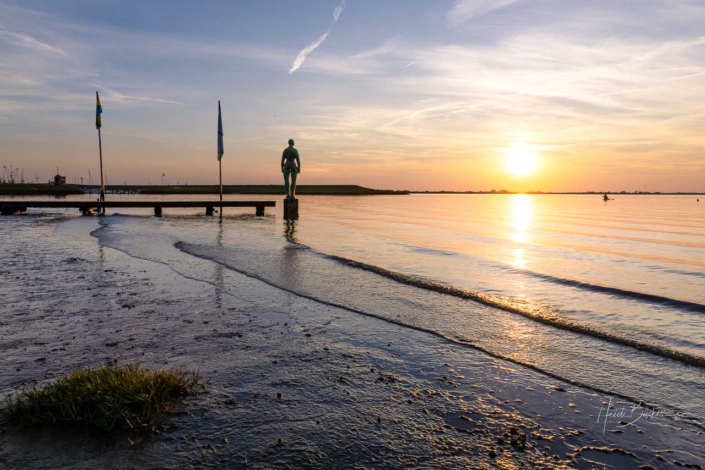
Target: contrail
338, 10
312, 47
464, 10
306, 51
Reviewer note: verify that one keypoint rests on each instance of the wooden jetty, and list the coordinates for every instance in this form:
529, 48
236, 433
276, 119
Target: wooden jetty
88, 207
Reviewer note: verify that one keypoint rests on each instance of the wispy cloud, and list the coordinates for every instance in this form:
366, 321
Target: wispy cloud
464, 10
383, 49
338, 10
312, 47
307, 50
23, 40
116, 96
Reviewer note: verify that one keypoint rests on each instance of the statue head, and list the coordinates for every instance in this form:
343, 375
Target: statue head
291, 141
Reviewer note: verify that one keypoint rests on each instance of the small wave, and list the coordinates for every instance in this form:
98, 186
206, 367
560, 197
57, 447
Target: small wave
196, 250
433, 251
193, 251
683, 272
533, 311
629, 294
616, 291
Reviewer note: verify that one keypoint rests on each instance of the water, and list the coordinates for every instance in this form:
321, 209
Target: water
609, 296
632, 269
636, 263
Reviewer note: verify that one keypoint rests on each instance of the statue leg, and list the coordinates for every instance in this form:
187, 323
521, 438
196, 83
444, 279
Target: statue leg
293, 184
286, 181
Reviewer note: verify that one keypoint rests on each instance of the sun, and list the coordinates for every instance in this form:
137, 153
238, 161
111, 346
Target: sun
521, 160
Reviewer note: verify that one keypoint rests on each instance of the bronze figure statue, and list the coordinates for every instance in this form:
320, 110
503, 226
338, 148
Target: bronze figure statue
291, 166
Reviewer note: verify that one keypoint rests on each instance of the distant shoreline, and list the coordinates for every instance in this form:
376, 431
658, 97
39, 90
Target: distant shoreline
274, 190
278, 190
270, 189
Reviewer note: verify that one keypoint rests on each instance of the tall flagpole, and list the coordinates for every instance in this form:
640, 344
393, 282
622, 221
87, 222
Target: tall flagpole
99, 124
102, 183
220, 157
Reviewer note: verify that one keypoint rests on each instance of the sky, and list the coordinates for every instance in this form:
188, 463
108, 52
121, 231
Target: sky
408, 94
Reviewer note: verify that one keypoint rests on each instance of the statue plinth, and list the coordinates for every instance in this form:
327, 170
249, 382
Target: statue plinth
291, 209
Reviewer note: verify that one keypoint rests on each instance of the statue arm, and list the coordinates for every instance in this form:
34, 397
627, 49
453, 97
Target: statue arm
282, 163
298, 163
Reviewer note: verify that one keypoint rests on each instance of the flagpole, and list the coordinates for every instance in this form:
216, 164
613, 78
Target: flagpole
102, 184
220, 163
98, 125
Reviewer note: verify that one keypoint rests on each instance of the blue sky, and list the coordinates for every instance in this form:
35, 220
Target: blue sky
394, 94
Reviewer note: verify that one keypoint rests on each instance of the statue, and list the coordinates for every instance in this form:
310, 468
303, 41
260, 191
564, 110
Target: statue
291, 165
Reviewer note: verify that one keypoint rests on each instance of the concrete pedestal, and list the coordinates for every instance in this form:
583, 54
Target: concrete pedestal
291, 209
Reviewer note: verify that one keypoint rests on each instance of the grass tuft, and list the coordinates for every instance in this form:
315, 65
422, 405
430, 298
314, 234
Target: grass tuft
107, 397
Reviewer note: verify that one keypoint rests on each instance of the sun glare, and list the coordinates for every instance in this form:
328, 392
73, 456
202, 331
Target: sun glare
521, 160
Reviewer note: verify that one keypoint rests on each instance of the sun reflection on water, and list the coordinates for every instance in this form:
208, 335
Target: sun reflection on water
520, 217
519, 260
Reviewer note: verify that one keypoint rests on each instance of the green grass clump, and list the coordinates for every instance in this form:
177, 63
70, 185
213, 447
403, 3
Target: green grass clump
110, 396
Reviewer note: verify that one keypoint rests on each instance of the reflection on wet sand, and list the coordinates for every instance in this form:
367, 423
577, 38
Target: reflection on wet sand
290, 230
218, 283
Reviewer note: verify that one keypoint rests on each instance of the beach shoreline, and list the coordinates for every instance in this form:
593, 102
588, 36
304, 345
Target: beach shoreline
293, 381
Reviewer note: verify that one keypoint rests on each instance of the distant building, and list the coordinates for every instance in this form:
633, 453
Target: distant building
59, 180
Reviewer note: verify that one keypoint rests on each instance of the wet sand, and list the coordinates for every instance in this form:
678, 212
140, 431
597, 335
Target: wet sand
292, 381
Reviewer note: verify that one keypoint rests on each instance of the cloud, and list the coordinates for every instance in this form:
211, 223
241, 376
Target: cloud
120, 97
383, 49
312, 47
465, 10
690, 76
338, 10
307, 50
29, 42
586, 95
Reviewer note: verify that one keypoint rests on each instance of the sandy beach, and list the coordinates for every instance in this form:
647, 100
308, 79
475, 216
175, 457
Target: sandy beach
292, 381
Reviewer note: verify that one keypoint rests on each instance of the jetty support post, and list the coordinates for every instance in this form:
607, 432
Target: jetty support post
12, 210
291, 209
157, 211
209, 210
259, 211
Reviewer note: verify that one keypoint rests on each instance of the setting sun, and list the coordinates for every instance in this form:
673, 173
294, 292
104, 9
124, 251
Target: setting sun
521, 160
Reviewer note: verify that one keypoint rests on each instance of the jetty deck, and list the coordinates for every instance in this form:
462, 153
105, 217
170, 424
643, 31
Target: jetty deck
88, 207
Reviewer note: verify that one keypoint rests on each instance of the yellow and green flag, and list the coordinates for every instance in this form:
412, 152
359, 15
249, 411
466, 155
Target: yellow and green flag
98, 112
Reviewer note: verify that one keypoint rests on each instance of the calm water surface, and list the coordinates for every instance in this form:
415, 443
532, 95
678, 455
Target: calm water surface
636, 263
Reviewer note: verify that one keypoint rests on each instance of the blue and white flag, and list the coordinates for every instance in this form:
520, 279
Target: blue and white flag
220, 134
